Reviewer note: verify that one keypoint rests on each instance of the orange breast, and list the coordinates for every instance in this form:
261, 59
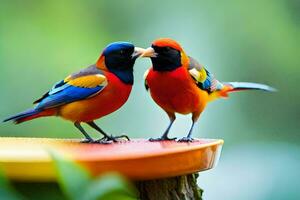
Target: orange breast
175, 91
110, 99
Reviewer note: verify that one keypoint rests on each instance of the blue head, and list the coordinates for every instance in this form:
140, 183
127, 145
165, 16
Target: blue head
120, 58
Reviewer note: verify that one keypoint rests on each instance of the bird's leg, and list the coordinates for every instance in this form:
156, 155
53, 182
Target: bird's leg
106, 138
165, 135
88, 138
188, 138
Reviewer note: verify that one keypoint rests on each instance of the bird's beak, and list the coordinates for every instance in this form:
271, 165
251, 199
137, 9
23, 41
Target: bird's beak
137, 52
149, 52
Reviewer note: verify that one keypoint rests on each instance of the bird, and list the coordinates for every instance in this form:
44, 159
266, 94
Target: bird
178, 83
90, 93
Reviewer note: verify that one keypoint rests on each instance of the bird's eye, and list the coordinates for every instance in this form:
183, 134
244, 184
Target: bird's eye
122, 52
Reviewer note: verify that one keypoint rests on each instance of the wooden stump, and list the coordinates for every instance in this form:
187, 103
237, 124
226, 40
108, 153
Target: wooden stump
176, 188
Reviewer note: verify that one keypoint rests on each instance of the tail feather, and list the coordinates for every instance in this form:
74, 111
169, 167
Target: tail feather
236, 86
226, 88
29, 115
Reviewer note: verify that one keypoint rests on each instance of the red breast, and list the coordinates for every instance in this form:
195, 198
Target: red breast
175, 91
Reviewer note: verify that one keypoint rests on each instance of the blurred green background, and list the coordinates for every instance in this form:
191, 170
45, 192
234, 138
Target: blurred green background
41, 42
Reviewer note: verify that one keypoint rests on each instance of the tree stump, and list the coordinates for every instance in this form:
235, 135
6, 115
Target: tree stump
175, 188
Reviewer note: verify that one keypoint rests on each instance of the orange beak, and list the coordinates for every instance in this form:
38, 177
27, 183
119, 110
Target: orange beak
137, 52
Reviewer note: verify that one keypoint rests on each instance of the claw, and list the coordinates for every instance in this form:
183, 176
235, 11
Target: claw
110, 139
86, 141
161, 139
103, 141
122, 136
186, 139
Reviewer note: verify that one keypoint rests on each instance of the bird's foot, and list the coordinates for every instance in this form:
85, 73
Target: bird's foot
115, 138
91, 141
104, 141
87, 141
111, 139
186, 139
162, 139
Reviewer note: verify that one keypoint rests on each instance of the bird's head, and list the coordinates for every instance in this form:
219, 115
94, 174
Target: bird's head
166, 55
119, 58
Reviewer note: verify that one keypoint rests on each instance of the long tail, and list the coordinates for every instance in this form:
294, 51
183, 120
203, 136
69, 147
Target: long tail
29, 115
239, 86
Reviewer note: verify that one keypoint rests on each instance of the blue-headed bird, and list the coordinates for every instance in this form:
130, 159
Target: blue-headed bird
179, 84
91, 93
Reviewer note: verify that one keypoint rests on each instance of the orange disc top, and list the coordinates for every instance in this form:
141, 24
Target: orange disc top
137, 159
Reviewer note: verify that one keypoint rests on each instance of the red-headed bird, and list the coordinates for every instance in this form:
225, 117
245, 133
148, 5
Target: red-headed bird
91, 93
179, 84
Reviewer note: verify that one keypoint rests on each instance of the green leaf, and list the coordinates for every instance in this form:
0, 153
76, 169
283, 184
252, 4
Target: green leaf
72, 178
77, 184
110, 186
7, 192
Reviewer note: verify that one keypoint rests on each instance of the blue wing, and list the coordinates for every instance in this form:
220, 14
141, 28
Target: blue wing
79, 86
67, 94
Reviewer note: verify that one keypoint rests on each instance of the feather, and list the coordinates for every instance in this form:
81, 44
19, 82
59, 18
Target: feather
203, 78
67, 95
18, 116
54, 88
249, 86
89, 81
72, 88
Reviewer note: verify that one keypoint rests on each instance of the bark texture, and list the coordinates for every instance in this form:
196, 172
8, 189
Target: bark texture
176, 188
